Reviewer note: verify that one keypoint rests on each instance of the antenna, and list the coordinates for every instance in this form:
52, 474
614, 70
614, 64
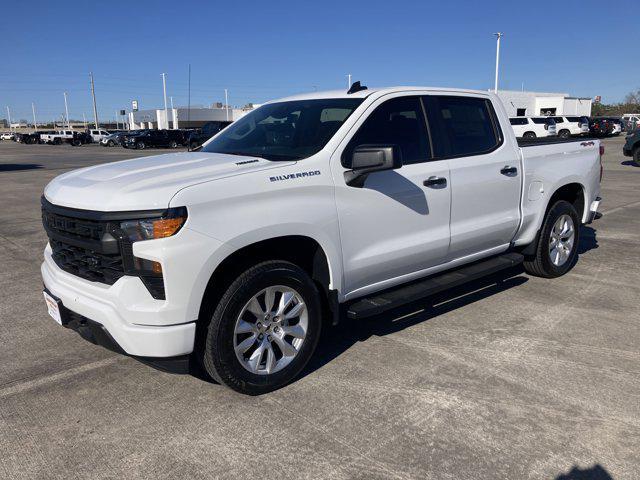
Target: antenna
356, 87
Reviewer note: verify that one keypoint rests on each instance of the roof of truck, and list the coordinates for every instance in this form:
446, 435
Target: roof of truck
370, 91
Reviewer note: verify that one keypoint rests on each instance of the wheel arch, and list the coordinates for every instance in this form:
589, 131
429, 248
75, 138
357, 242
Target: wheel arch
302, 250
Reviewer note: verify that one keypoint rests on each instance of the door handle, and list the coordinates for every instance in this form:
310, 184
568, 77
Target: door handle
435, 182
509, 171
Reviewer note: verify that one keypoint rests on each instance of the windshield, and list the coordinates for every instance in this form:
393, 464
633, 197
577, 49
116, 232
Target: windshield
286, 130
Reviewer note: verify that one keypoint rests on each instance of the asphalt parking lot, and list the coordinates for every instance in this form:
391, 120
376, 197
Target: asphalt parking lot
510, 378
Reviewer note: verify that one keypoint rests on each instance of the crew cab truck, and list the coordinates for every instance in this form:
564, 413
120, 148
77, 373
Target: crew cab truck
308, 210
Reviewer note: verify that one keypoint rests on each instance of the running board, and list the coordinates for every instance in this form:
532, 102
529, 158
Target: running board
389, 299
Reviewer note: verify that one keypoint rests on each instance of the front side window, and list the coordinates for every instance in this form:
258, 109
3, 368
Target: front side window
462, 126
285, 130
400, 122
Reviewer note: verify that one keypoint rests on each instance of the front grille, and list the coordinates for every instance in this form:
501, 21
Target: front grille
78, 247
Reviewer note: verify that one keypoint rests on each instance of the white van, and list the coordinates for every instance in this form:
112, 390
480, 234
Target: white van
533, 127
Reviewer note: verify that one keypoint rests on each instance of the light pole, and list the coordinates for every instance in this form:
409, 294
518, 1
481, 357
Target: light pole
84, 120
9, 117
164, 90
226, 102
33, 110
93, 95
66, 109
498, 37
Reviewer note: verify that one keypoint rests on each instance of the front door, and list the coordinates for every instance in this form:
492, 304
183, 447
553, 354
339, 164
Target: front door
393, 227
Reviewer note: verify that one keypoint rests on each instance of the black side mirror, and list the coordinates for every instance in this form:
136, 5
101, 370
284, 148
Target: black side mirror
366, 159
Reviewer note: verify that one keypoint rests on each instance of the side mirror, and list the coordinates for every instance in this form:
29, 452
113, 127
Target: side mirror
366, 159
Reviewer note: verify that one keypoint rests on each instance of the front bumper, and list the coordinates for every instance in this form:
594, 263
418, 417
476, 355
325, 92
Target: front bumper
111, 308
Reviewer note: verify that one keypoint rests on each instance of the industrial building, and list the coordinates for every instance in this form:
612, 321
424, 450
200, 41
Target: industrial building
183, 117
527, 104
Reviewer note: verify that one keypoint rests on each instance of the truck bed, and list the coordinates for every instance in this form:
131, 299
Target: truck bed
532, 142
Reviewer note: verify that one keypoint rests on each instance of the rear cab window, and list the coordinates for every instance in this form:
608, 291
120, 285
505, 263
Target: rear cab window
462, 126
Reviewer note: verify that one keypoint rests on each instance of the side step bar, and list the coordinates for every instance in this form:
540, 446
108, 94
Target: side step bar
389, 299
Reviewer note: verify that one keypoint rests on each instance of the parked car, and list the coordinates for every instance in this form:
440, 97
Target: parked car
568, 126
150, 138
532, 127
65, 136
237, 256
28, 138
631, 147
618, 125
201, 135
180, 137
7, 136
113, 139
600, 127
97, 135
631, 121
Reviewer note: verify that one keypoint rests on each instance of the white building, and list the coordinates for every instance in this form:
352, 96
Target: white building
527, 104
181, 117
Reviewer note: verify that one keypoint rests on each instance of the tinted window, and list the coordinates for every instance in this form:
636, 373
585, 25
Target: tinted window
558, 119
285, 130
400, 122
573, 119
544, 120
518, 121
462, 125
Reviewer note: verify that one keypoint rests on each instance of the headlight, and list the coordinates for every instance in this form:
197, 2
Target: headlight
151, 228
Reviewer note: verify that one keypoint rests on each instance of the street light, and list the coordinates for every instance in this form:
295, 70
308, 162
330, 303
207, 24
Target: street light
498, 37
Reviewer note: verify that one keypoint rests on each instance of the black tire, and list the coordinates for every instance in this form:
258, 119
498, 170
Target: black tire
57, 141
111, 143
173, 145
529, 135
540, 264
140, 145
215, 349
193, 145
564, 133
636, 156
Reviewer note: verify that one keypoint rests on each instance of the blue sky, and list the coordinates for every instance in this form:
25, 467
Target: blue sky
269, 49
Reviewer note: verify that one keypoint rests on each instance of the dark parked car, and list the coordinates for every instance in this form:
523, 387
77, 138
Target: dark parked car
27, 138
201, 135
600, 127
632, 147
150, 138
181, 137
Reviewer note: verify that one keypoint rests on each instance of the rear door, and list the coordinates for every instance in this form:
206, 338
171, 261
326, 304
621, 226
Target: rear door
484, 169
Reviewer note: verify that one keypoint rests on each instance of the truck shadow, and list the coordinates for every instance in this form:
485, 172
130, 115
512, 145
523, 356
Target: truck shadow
597, 472
588, 240
338, 339
16, 167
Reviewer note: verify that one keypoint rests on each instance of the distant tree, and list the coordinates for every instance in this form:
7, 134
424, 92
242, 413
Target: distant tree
633, 98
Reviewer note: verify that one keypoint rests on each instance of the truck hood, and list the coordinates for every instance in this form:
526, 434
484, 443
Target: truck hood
146, 183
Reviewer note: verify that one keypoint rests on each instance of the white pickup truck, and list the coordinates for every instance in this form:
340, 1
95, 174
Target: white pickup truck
57, 138
307, 210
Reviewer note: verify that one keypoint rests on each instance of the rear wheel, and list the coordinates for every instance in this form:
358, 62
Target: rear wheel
173, 144
264, 329
529, 135
557, 249
564, 133
140, 145
111, 143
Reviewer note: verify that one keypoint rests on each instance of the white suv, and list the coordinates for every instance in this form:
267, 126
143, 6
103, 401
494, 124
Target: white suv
532, 127
567, 126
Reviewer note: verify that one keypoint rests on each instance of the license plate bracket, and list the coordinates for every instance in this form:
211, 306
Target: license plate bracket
54, 307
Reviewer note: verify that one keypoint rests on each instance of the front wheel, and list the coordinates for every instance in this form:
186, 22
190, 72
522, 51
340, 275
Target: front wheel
564, 134
140, 145
529, 135
264, 329
557, 249
111, 143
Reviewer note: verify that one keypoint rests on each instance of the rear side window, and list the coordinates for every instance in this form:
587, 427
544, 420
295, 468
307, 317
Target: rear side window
398, 121
558, 119
544, 121
518, 121
573, 119
462, 126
